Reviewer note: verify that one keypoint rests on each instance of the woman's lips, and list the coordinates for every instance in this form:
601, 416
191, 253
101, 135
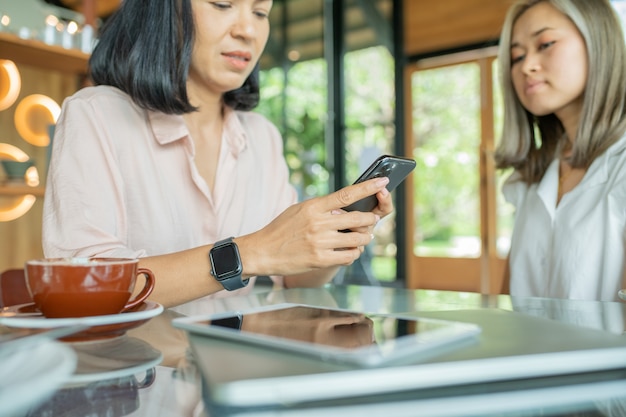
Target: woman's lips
531, 87
237, 59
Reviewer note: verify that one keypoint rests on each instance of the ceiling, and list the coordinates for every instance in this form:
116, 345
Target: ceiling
429, 26
102, 8
298, 29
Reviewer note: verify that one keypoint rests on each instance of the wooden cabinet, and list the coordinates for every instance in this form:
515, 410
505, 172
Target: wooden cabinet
44, 69
38, 54
17, 190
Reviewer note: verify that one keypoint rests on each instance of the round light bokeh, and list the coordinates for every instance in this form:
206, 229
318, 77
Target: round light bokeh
12, 208
10, 83
33, 116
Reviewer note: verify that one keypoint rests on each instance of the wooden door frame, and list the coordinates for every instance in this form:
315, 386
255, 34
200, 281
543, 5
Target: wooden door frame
483, 274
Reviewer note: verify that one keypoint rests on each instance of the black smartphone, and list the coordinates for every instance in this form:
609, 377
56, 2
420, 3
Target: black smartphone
395, 167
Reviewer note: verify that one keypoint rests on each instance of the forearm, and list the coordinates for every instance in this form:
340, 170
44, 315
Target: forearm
181, 276
185, 276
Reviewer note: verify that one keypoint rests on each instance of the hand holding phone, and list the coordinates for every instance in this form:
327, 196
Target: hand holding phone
394, 167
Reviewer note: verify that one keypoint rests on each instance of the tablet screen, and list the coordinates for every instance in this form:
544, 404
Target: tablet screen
340, 329
334, 334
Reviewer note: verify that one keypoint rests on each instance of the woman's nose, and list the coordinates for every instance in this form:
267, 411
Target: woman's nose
244, 26
530, 64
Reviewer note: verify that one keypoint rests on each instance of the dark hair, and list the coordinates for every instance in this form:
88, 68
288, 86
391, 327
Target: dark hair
145, 49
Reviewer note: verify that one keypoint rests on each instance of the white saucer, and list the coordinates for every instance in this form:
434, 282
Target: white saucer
22, 316
113, 358
98, 327
30, 376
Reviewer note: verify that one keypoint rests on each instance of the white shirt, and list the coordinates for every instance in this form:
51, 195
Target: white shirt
575, 250
123, 183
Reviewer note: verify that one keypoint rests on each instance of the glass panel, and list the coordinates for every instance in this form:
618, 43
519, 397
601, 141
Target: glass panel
369, 109
446, 129
505, 211
305, 111
294, 95
370, 130
370, 120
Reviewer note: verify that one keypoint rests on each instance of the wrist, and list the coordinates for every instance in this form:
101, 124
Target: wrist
251, 257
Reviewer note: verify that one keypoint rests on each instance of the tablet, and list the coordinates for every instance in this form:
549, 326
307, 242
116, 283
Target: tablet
335, 335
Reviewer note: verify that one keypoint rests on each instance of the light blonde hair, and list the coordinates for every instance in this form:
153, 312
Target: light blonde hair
529, 143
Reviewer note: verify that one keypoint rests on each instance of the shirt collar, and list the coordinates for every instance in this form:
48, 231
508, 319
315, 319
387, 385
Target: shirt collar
168, 128
234, 131
618, 146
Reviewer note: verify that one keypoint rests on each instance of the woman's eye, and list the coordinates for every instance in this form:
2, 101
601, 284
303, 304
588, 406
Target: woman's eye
516, 59
545, 45
221, 5
261, 14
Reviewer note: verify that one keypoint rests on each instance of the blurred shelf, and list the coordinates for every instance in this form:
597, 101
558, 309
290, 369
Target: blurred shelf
36, 53
20, 189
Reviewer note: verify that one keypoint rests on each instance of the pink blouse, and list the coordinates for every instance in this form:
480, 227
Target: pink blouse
122, 180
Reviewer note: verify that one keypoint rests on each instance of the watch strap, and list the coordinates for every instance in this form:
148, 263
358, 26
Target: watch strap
234, 283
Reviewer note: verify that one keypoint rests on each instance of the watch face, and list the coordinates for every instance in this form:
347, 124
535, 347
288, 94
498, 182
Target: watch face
225, 261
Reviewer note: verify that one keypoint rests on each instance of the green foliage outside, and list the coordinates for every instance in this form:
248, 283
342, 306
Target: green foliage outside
369, 107
446, 122
299, 110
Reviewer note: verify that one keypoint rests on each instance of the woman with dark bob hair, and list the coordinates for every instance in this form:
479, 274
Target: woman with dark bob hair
564, 86
162, 160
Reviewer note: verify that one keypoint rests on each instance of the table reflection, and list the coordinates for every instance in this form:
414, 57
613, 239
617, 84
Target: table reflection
326, 327
170, 384
111, 397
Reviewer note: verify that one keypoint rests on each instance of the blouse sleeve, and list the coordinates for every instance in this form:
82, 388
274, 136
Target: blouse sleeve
83, 211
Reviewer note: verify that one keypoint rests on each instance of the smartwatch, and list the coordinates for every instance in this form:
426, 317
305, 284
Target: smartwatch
226, 265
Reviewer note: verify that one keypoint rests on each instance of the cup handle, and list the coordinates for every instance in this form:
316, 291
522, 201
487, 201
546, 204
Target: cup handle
148, 380
145, 292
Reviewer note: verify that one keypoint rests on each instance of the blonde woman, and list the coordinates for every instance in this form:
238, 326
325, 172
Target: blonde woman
563, 66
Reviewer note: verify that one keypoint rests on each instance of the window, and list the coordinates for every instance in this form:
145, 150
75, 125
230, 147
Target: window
461, 222
297, 92
446, 132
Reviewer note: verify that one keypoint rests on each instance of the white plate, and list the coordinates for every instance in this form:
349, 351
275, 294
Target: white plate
113, 358
16, 316
30, 376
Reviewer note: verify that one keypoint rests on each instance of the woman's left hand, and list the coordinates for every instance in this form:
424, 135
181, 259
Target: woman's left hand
384, 208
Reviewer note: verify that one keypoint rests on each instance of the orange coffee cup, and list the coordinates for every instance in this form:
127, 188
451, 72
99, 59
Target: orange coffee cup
81, 287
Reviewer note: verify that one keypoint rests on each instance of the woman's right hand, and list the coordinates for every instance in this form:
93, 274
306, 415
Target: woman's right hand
307, 235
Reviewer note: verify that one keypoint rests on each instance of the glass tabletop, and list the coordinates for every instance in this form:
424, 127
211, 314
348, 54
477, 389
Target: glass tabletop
151, 371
